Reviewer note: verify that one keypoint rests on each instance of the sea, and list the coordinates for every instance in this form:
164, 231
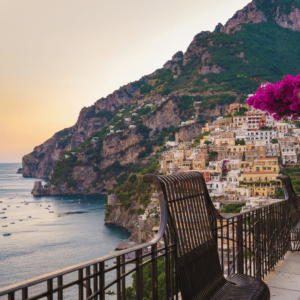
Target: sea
41, 242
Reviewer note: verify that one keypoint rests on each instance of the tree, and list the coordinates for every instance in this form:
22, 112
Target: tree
274, 141
132, 178
240, 142
207, 143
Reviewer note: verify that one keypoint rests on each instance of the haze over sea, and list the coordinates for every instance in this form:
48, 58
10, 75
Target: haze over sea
46, 242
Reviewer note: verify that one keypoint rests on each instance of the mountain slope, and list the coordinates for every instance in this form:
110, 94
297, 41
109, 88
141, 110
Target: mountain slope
261, 40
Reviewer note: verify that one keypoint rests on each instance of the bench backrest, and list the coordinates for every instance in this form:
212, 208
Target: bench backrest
192, 216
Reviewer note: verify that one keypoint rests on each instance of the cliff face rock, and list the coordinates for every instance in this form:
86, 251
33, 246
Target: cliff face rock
164, 118
41, 161
210, 69
128, 219
290, 21
122, 217
284, 13
188, 132
249, 14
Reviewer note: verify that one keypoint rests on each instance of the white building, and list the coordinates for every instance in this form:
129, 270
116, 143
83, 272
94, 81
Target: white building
288, 154
272, 150
261, 135
132, 126
127, 119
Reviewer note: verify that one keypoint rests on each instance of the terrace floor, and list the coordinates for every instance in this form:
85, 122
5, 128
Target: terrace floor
284, 281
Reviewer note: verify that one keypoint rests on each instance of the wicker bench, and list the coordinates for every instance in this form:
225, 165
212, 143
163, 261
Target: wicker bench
191, 220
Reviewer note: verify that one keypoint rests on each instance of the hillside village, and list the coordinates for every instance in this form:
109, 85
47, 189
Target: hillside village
240, 156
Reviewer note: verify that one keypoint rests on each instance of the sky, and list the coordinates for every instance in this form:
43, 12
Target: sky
58, 56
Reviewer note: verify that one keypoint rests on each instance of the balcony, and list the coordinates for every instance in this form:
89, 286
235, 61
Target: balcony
252, 243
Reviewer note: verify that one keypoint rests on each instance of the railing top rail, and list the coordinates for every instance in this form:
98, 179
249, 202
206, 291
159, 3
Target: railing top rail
251, 210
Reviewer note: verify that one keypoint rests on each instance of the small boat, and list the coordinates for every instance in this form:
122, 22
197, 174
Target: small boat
8, 205
0, 201
4, 225
49, 205
6, 234
3, 217
3, 208
106, 265
2, 212
40, 205
10, 198
17, 206
21, 220
26, 203
51, 212
12, 223
59, 215
29, 216
46, 208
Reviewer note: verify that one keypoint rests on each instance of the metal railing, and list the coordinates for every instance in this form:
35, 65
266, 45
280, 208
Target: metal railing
249, 243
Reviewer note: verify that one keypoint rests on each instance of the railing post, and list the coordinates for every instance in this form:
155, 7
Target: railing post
50, 289
59, 284
256, 240
80, 284
240, 259
11, 296
123, 279
154, 273
139, 275
24, 293
102, 281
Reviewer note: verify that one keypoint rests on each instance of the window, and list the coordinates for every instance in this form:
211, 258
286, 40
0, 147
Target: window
257, 169
266, 178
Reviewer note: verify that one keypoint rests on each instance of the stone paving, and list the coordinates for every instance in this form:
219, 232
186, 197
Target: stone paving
284, 280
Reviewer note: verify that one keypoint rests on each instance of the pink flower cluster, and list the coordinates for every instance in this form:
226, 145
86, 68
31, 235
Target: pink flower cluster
279, 99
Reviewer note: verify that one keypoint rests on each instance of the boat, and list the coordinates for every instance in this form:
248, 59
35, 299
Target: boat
59, 215
3, 208
106, 265
109, 292
21, 220
6, 234
26, 203
51, 212
3, 217
4, 225
49, 205
12, 223
8, 205
29, 216
0, 201
17, 206
2, 212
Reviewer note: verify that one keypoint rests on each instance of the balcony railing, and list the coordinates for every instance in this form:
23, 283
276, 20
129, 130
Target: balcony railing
249, 243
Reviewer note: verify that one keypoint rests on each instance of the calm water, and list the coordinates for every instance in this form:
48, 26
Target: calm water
46, 242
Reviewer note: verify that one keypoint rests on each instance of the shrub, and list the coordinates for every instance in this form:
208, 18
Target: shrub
146, 88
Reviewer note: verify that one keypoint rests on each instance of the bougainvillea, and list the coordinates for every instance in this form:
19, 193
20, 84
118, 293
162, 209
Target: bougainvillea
279, 99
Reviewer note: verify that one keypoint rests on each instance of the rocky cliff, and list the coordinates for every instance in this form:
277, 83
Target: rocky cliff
128, 219
200, 82
285, 13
